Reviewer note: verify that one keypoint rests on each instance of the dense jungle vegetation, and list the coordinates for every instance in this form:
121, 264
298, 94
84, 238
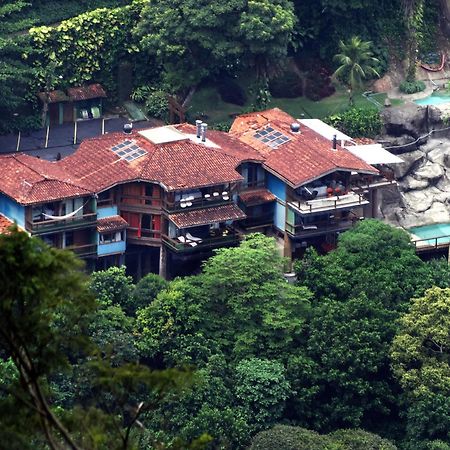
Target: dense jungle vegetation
354, 355
249, 51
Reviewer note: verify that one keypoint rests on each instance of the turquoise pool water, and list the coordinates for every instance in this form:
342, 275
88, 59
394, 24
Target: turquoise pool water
433, 231
433, 99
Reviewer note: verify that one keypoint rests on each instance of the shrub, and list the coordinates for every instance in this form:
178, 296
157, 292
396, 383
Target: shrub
231, 92
287, 85
357, 122
411, 87
360, 440
157, 105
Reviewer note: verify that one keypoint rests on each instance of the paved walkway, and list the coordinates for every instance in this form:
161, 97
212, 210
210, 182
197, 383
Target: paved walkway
60, 140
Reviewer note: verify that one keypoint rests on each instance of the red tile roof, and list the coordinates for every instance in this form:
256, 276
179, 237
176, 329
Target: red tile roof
110, 224
53, 96
305, 157
256, 196
209, 215
5, 223
86, 92
30, 180
176, 165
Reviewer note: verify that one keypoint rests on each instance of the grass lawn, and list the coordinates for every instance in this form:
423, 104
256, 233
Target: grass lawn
208, 105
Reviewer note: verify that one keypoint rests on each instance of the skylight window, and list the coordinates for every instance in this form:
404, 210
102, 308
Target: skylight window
271, 137
128, 150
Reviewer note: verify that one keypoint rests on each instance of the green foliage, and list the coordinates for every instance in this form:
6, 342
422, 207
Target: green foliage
411, 87
157, 105
421, 361
296, 438
261, 388
78, 43
113, 287
360, 440
147, 289
357, 122
194, 42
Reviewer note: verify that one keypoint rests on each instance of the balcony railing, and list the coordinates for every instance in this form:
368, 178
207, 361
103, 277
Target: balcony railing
226, 238
139, 202
262, 220
84, 250
329, 203
253, 184
143, 236
201, 202
54, 225
318, 228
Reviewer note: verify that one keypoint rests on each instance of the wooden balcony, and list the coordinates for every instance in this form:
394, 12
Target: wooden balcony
198, 203
228, 237
260, 221
319, 228
140, 203
55, 225
143, 236
84, 250
325, 204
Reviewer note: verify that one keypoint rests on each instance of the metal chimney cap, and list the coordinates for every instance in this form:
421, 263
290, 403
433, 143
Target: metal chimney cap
295, 127
127, 128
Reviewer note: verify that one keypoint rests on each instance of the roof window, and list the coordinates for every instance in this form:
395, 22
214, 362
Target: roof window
271, 137
128, 150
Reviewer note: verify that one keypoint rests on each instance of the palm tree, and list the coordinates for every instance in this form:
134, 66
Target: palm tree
356, 63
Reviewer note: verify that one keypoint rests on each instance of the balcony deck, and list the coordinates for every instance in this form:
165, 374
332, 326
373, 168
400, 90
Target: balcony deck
319, 228
329, 203
55, 225
84, 250
231, 238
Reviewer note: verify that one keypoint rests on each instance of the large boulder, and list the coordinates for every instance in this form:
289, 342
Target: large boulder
409, 119
411, 160
430, 172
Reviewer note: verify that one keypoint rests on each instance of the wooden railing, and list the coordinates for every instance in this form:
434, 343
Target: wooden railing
83, 250
197, 203
330, 203
228, 238
40, 226
255, 221
319, 227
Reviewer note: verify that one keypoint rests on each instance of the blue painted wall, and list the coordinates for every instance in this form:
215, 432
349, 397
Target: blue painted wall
106, 211
280, 216
110, 249
276, 186
12, 210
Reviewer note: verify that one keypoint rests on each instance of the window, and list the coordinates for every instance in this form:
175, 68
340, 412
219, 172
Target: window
68, 239
107, 238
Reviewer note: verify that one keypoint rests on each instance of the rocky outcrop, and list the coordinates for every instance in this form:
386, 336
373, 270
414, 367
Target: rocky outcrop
423, 195
410, 121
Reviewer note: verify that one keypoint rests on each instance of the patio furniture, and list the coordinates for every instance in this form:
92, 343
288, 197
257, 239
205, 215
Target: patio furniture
193, 238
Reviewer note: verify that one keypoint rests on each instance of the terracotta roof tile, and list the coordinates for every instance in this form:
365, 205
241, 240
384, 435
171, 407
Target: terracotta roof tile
256, 196
86, 92
305, 157
112, 223
53, 96
5, 223
209, 215
30, 180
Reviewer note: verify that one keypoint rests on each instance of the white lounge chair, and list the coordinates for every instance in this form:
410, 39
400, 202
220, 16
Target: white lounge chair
193, 238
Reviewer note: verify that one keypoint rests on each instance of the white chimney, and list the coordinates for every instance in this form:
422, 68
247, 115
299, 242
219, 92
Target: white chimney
198, 125
203, 128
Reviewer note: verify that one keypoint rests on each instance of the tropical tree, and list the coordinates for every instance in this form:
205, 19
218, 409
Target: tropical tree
420, 356
356, 63
45, 313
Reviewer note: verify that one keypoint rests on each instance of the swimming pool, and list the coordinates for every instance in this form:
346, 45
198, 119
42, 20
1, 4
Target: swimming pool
434, 99
432, 232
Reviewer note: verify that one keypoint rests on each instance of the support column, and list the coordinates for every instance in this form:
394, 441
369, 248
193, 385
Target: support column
163, 261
